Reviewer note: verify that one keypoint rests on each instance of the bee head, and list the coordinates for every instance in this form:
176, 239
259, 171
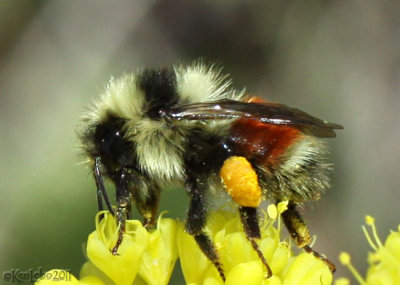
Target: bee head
122, 117
112, 145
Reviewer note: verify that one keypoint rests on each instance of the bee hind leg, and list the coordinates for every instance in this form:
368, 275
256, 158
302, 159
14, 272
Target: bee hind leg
249, 218
300, 234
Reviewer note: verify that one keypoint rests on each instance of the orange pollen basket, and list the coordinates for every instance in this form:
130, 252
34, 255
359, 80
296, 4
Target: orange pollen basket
241, 181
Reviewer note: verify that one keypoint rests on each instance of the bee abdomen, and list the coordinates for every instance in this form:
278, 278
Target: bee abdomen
300, 175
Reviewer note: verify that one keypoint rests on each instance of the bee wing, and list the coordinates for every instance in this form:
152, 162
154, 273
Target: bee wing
269, 113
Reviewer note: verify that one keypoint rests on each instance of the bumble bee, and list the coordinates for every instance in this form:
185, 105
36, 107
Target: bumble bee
188, 126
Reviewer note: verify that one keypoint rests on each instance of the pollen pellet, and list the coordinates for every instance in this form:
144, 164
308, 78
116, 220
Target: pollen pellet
241, 181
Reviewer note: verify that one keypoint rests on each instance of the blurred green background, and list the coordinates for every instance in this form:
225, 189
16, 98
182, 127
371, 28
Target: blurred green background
338, 60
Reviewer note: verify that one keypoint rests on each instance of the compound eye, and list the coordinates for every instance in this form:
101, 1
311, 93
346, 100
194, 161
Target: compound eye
111, 143
108, 140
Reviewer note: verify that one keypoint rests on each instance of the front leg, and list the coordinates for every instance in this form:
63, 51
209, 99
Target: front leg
196, 221
123, 198
130, 186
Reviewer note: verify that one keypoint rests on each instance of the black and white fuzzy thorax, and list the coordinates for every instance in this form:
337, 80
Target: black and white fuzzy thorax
126, 129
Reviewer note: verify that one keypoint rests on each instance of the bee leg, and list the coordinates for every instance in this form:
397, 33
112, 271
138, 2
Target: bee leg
249, 218
150, 210
195, 223
300, 234
208, 248
128, 212
121, 219
148, 205
123, 207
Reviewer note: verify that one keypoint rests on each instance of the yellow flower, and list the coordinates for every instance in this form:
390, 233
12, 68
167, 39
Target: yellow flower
240, 262
121, 268
384, 260
151, 255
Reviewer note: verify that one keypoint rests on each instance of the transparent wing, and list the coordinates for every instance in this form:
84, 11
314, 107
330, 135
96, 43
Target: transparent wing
269, 113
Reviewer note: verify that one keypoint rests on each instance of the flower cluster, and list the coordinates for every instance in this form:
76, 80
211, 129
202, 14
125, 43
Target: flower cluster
148, 257
384, 260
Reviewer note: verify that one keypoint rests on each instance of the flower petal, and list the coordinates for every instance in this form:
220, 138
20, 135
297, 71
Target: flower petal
121, 268
158, 260
194, 263
249, 273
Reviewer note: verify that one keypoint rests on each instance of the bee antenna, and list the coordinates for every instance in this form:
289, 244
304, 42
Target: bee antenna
101, 190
